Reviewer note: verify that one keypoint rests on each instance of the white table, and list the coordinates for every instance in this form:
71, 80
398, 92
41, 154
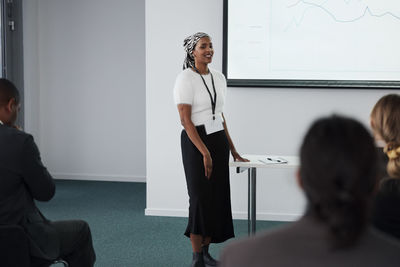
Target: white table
259, 161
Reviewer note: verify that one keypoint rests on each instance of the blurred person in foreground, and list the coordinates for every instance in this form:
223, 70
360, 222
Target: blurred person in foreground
338, 174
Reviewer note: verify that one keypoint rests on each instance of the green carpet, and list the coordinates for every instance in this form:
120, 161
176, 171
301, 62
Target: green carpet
123, 236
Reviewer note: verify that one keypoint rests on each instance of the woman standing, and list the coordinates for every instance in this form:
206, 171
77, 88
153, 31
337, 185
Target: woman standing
205, 142
385, 123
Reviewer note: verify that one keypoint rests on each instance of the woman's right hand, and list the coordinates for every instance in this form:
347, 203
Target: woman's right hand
207, 165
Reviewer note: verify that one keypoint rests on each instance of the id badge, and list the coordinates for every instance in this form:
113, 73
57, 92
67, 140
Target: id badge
214, 126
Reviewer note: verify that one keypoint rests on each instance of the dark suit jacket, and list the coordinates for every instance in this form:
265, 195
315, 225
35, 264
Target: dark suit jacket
304, 243
23, 178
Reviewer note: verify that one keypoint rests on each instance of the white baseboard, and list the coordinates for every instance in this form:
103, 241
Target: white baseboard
166, 212
268, 216
262, 216
99, 177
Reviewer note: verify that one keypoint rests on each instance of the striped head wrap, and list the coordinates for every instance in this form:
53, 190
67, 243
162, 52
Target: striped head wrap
189, 44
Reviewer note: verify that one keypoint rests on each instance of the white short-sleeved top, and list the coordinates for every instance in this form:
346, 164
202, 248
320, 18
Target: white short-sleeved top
189, 89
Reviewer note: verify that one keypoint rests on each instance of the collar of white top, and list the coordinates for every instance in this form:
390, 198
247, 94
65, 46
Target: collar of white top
1, 123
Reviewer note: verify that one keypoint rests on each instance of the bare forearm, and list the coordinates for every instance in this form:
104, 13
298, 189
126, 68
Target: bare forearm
234, 153
185, 112
195, 138
231, 145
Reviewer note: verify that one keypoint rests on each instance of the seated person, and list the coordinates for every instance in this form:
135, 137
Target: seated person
385, 123
338, 174
23, 179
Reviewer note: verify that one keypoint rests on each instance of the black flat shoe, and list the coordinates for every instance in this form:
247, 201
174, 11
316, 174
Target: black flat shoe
208, 260
198, 260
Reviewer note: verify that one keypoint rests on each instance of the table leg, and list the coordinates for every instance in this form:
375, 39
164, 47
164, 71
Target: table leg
248, 201
251, 201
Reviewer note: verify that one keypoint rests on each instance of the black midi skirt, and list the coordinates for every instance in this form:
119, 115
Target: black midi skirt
210, 213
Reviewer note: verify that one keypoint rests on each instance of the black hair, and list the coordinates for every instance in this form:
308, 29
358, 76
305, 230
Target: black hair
8, 91
339, 171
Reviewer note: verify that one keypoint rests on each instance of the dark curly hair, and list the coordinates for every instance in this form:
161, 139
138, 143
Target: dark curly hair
339, 172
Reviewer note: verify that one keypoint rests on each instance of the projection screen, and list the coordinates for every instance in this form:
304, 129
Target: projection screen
312, 43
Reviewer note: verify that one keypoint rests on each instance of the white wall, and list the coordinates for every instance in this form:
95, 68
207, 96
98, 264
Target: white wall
85, 87
31, 67
260, 120
85, 100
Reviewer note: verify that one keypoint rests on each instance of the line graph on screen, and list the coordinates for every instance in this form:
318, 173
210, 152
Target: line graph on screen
365, 12
333, 41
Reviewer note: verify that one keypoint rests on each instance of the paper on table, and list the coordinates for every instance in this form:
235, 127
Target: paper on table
273, 160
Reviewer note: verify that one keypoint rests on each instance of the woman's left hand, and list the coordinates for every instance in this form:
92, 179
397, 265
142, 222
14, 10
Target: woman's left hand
237, 157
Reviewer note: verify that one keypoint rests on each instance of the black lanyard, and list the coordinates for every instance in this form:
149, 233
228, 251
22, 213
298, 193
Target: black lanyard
213, 101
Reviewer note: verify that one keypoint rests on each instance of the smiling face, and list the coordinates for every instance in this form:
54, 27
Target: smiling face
203, 51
